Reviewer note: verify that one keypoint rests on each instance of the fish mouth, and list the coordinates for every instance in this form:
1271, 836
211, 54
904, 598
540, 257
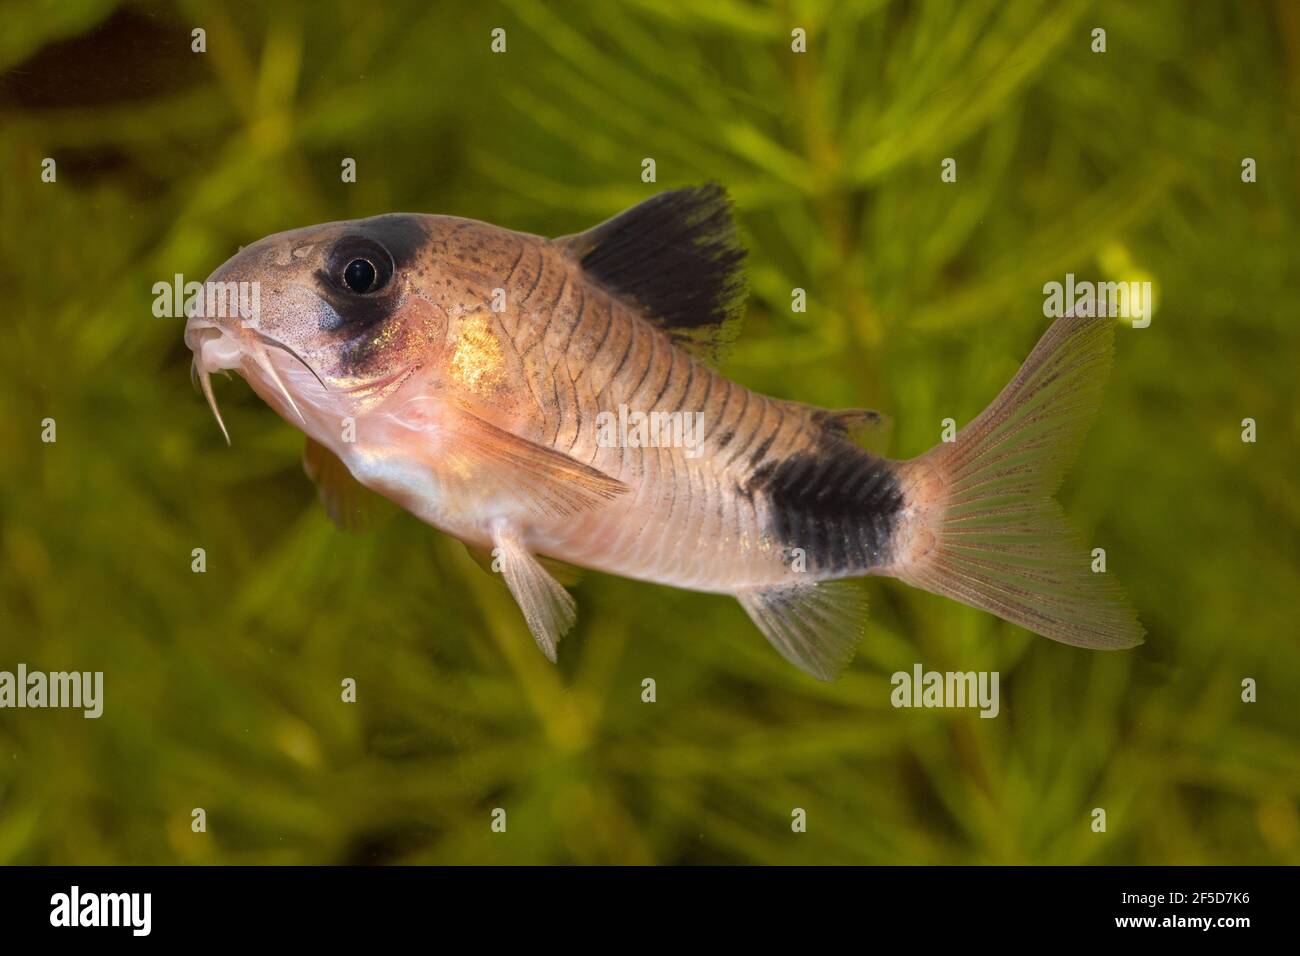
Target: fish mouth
216, 349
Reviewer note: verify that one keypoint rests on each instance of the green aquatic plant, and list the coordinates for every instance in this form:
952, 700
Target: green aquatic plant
224, 689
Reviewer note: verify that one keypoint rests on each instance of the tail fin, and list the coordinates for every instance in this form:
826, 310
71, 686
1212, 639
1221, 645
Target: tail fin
980, 525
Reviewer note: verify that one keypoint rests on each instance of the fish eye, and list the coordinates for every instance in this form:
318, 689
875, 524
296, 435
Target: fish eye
358, 265
360, 275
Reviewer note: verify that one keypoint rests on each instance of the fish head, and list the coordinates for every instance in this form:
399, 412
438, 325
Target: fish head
324, 322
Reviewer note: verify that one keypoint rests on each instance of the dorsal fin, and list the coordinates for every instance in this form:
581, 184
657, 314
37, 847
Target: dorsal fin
676, 258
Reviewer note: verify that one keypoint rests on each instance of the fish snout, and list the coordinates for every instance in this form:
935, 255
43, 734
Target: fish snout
218, 321
214, 315
229, 310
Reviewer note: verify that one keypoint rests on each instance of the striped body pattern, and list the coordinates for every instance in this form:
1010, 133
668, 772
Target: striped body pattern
766, 478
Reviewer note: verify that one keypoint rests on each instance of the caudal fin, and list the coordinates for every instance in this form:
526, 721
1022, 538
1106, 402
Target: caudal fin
980, 525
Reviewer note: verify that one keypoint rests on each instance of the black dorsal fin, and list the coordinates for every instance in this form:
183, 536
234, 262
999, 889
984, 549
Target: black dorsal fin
676, 258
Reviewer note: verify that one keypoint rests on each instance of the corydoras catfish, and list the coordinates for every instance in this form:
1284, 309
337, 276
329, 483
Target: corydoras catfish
548, 399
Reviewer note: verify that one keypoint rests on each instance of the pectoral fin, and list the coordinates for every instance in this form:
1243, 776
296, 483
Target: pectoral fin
550, 483
351, 505
547, 607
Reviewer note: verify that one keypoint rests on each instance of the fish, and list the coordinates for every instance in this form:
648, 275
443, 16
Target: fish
556, 404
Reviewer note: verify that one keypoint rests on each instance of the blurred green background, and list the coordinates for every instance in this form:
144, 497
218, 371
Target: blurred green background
223, 688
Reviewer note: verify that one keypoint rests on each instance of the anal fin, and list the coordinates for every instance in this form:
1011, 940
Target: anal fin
816, 626
546, 606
